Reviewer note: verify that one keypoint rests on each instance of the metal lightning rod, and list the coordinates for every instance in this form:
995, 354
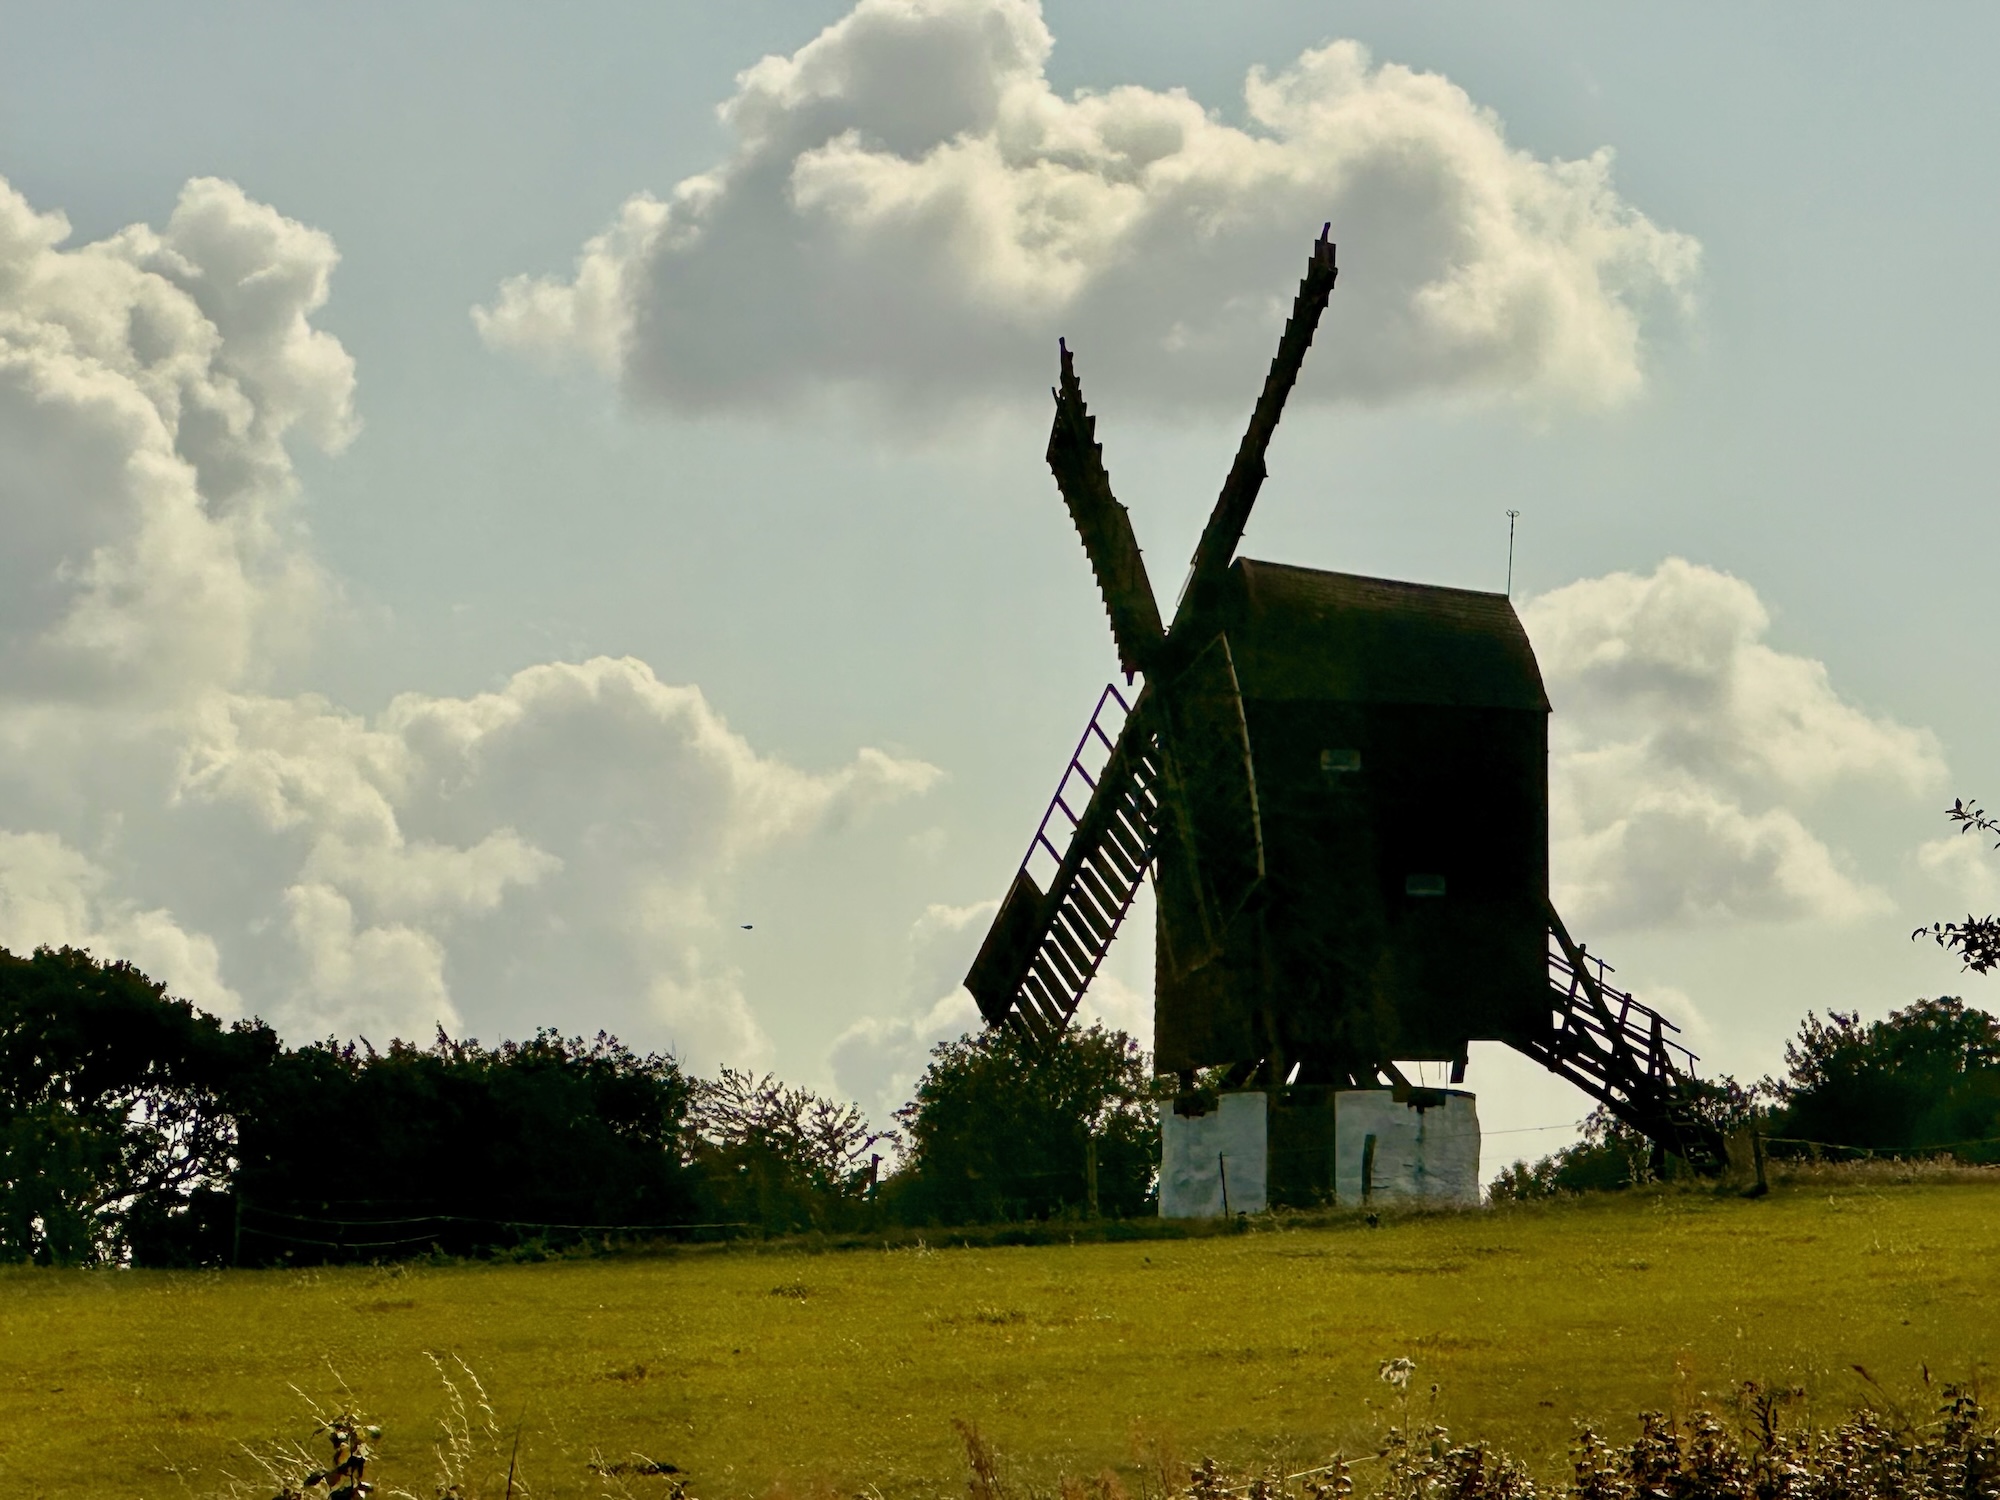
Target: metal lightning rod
1512, 516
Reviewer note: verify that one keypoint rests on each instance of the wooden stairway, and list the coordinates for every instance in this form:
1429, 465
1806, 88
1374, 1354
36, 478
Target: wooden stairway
1619, 1052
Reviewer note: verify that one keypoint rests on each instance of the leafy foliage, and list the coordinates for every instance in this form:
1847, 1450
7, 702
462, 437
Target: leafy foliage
1701, 1456
460, 1146
1002, 1130
119, 1111
1925, 1079
1976, 940
782, 1157
352, 1441
1611, 1155
1866, 1457
132, 1126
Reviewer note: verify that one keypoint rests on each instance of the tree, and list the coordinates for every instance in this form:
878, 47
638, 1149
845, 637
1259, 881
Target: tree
1611, 1155
1976, 940
779, 1156
353, 1152
1001, 1129
1925, 1079
120, 1111
1615, 1155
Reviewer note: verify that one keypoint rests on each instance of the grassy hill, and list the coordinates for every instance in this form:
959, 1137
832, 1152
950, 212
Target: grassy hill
744, 1368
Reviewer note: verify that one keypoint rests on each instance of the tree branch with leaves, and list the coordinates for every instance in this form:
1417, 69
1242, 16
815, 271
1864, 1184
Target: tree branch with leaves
1976, 940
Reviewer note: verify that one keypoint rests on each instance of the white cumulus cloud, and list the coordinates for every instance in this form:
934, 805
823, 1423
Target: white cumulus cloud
53, 896
878, 1059
550, 852
910, 210
1965, 869
149, 383
1689, 758
621, 802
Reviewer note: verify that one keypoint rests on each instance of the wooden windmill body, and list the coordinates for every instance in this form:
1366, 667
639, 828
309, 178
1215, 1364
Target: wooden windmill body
1398, 740
1339, 787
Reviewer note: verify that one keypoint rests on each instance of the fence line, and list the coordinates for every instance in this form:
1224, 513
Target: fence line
325, 1221
1896, 1151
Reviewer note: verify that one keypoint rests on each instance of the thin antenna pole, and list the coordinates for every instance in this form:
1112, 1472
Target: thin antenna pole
1512, 516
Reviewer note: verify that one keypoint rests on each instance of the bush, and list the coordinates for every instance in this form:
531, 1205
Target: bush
1926, 1079
349, 1152
1002, 1130
1610, 1156
782, 1158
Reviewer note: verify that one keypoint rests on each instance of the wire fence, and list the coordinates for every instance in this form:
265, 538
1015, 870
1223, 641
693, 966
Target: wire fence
427, 1229
1938, 1149
360, 1230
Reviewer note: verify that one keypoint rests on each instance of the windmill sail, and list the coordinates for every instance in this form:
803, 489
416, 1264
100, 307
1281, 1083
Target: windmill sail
1009, 949
1077, 460
1180, 772
1044, 948
1219, 538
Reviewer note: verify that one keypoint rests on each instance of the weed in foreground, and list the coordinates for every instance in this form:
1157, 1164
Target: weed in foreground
1872, 1455
473, 1458
291, 1470
1875, 1454
469, 1443
1880, 1452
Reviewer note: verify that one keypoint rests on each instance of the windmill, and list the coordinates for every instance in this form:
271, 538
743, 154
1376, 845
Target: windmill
1339, 788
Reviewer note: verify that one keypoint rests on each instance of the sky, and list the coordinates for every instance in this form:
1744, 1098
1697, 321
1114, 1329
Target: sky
529, 517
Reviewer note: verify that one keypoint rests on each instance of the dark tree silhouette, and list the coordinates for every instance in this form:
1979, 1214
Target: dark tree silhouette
347, 1151
782, 1157
1925, 1079
120, 1112
1002, 1129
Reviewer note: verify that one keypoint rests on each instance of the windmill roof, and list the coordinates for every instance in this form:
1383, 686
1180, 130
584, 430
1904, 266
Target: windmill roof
1303, 633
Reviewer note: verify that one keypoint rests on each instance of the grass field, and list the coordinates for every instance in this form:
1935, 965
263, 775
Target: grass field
848, 1368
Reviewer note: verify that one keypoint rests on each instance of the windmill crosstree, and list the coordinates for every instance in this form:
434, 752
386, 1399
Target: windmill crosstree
1339, 787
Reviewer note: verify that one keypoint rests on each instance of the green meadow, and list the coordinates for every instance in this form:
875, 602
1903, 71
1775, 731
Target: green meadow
747, 1368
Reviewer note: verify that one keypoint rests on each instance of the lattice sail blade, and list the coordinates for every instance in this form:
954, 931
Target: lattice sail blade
1045, 946
1219, 538
1076, 459
1008, 950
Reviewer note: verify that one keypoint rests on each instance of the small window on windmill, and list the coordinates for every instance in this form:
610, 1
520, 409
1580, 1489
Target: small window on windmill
1339, 762
1423, 885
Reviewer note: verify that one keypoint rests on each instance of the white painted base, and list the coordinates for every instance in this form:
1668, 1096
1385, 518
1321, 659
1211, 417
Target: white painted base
1218, 1163
1207, 1159
1428, 1155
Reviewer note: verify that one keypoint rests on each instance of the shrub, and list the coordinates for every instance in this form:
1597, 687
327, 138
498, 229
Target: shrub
1002, 1130
1610, 1156
1923, 1080
780, 1157
347, 1151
